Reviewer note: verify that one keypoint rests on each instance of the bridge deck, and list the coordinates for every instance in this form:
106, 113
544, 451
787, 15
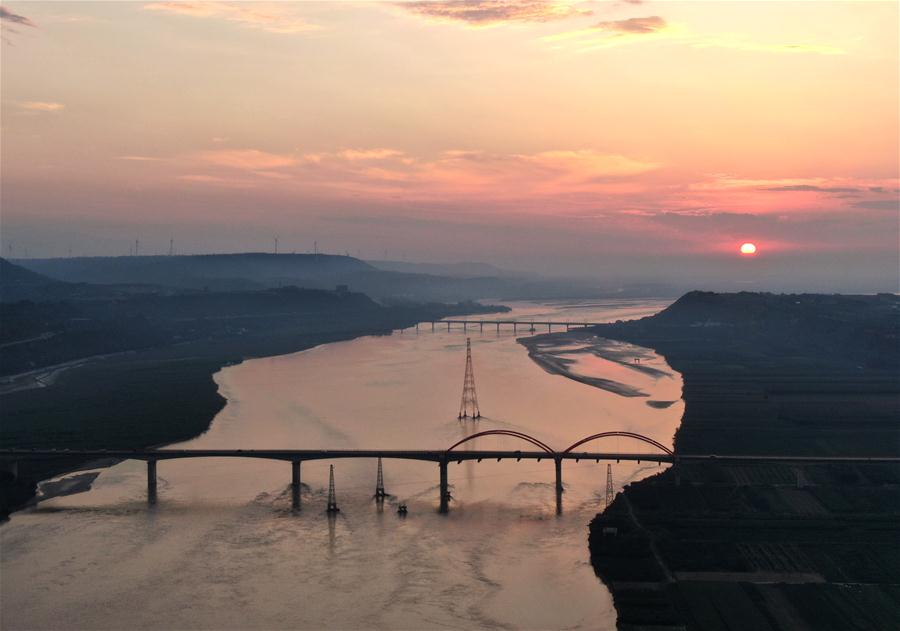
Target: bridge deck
517, 322
300, 455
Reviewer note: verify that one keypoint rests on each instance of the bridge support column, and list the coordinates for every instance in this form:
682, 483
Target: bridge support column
481, 326
448, 327
432, 326
559, 485
417, 327
549, 325
515, 326
295, 484
445, 491
498, 328
151, 481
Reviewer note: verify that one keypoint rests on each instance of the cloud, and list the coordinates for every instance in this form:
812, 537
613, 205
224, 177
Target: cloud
653, 28
246, 159
370, 154
649, 24
8, 16
41, 106
810, 187
267, 16
530, 182
810, 184
565, 170
483, 13
139, 158
7, 20
214, 180
880, 204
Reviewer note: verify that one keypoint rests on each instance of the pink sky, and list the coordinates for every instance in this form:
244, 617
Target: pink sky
557, 137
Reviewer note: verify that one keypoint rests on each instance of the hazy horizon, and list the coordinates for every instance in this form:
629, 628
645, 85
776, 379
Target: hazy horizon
623, 141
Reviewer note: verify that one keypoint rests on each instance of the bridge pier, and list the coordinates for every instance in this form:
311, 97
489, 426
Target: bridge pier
559, 486
481, 326
498, 328
295, 484
515, 326
417, 327
445, 491
465, 326
151, 481
448, 327
549, 325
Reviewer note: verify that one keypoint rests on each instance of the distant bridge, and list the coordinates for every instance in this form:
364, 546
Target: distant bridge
529, 325
9, 457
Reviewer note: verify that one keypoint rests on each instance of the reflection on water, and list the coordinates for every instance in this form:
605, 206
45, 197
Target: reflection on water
223, 549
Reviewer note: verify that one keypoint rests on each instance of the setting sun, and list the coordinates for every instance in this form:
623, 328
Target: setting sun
748, 248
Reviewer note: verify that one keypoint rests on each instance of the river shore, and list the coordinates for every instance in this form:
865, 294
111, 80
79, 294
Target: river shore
559, 353
765, 547
153, 397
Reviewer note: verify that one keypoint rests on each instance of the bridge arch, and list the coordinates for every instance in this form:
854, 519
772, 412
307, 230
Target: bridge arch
633, 435
504, 432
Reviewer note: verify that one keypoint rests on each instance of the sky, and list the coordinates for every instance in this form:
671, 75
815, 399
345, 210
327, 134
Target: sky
645, 140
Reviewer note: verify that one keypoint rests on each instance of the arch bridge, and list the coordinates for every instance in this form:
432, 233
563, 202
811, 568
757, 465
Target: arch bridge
10, 457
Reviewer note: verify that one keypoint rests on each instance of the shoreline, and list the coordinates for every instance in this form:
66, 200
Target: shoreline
142, 399
771, 546
546, 350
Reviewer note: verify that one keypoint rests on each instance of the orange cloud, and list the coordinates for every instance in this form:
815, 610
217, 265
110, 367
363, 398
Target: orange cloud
649, 24
246, 159
139, 158
369, 154
579, 184
615, 33
272, 17
386, 174
42, 106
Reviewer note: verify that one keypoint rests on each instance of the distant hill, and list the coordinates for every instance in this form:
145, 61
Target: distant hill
458, 270
18, 283
207, 271
255, 271
12, 275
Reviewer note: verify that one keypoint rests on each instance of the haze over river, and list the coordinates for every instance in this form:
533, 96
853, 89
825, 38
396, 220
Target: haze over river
222, 548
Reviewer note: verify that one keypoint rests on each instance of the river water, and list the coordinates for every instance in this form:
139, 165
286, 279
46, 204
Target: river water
222, 548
